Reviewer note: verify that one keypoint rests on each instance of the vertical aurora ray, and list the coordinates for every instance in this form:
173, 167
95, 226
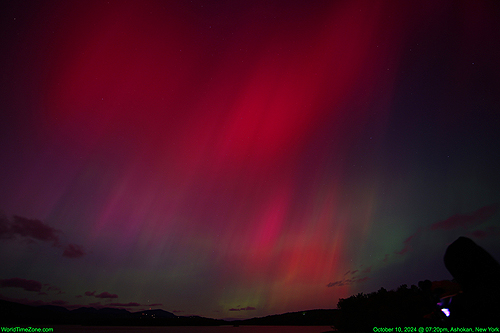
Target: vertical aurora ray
176, 154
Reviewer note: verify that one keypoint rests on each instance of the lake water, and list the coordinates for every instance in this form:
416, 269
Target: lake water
189, 329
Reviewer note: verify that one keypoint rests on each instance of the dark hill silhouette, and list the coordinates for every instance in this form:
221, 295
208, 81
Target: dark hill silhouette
15, 313
472, 302
113, 312
318, 317
12, 313
85, 310
158, 313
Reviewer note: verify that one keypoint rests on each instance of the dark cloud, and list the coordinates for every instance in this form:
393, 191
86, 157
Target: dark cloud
406, 243
175, 311
124, 304
28, 285
349, 277
21, 300
336, 284
73, 251
405, 249
106, 295
101, 295
5, 231
466, 220
456, 221
248, 308
78, 296
488, 232
54, 288
346, 282
155, 304
28, 228
35, 229
38, 302
50, 288
32, 229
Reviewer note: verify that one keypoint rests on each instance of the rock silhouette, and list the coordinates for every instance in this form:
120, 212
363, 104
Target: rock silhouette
478, 274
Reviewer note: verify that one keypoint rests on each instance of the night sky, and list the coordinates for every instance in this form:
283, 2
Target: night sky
234, 159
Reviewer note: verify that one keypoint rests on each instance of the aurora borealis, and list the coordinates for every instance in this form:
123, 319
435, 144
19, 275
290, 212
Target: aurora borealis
234, 159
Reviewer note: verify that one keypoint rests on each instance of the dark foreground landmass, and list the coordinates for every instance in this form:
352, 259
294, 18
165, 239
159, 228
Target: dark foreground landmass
401, 307
472, 299
320, 317
20, 314
414, 306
